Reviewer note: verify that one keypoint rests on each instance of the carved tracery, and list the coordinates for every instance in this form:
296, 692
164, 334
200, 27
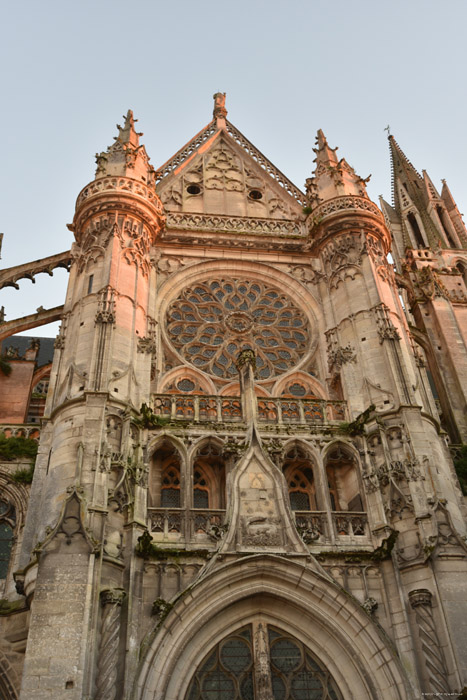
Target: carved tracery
211, 322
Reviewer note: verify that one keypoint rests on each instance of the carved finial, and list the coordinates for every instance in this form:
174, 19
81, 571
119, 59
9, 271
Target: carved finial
388, 129
220, 111
128, 134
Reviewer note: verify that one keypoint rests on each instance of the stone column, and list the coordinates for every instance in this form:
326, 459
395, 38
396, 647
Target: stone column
263, 680
111, 601
435, 664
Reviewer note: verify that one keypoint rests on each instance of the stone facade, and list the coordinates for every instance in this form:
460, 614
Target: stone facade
245, 485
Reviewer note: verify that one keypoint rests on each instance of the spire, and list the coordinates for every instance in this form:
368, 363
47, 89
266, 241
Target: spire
410, 189
332, 177
219, 112
125, 157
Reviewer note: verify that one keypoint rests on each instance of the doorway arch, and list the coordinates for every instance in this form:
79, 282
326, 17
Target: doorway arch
299, 599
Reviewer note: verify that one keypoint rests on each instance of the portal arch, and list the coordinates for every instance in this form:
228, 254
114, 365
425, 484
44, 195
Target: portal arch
302, 600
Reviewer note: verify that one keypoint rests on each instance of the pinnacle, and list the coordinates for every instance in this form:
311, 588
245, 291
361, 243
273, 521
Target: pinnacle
324, 153
127, 134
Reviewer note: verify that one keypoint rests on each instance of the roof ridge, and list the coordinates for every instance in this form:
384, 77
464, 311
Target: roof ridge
186, 150
266, 164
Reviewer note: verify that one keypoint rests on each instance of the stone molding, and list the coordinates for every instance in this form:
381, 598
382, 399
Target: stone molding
343, 204
233, 224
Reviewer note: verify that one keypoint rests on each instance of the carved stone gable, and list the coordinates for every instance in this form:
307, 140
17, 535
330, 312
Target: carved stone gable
226, 180
260, 519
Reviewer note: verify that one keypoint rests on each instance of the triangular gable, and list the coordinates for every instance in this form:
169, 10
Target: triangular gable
220, 172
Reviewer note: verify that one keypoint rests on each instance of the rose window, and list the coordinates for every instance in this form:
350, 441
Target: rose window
211, 322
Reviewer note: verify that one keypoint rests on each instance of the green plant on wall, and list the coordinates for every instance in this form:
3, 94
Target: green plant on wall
15, 447
5, 367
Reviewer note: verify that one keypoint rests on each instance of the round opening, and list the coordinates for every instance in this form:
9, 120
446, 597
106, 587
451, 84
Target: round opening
255, 194
193, 189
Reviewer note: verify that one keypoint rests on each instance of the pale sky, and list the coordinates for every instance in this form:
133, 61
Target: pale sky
72, 68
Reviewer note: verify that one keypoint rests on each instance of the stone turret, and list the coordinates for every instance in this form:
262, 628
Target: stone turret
100, 378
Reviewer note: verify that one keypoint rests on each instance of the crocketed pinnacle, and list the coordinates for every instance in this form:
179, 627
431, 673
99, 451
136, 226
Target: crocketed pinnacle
127, 134
126, 157
332, 177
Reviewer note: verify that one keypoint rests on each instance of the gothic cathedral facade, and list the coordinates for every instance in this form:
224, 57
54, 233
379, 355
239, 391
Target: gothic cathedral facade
245, 485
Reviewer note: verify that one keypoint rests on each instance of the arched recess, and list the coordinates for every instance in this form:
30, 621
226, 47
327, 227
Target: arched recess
300, 600
343, 474
202, 384
299, 385
165, 483
209, 475
300, 471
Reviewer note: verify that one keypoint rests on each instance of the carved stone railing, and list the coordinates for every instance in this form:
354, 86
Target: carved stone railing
350, 524
304, 411
27, 430
311, 525
178, 524
228, 409
339, 204
203, 409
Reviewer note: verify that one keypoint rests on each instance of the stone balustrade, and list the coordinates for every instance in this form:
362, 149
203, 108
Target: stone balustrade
178, 524
227, 409
173, 525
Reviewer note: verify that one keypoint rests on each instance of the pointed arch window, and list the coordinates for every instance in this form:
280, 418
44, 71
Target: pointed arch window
7, 531
209, 477
298, 472
266, 658
165, 477
343, 481
415, 229
447, 233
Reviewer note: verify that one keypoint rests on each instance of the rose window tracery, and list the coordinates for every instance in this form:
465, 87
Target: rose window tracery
212, 321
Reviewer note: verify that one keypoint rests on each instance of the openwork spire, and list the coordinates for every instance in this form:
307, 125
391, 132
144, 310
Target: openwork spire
411, 191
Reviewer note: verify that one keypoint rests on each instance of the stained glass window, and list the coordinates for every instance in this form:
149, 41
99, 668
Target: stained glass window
209, 324
229, 672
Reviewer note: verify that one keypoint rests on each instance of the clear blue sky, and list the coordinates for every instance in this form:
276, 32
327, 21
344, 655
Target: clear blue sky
71, 68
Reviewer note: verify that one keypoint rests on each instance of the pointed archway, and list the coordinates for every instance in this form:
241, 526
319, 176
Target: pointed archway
284, 594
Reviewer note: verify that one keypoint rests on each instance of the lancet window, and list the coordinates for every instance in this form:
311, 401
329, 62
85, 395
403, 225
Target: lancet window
209, 478
343, 481
415, 229
266, 658
7, 530
165, 477
298, 471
